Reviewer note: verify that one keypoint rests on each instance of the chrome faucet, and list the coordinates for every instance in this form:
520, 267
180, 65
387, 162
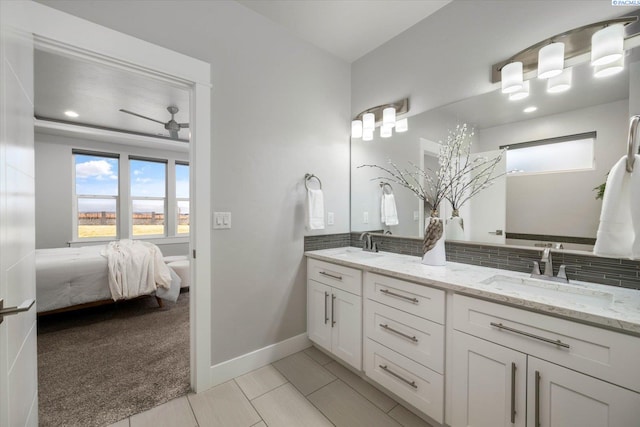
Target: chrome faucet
548, 268
369, 245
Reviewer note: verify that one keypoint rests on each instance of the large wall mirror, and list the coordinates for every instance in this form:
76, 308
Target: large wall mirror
555, 204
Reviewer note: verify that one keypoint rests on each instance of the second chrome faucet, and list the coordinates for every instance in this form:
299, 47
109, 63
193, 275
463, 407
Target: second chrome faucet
369, 245
548, 268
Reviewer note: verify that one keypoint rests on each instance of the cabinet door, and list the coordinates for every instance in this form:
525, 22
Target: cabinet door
346, 334
318, 314
489, 388
560, 397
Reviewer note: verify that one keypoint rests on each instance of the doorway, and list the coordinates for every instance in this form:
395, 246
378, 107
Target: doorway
59, 30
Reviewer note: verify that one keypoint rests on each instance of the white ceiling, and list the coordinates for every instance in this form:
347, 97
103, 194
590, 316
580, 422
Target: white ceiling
348, 29
97, 92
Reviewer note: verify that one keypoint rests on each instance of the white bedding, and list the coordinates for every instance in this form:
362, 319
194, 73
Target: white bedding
72, 276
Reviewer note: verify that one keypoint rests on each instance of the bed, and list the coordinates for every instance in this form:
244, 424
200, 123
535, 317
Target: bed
72, 278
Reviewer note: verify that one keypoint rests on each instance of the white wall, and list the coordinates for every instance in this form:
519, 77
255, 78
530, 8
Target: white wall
280, 109
54, 187
563, 203
448, 56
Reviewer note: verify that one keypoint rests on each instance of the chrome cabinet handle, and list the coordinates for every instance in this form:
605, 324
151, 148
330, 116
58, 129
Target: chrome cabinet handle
411, 383
513, 393
25, 306
527, 334
388, 292
537, 401
333, 316
402, 334
326, 316
331, 275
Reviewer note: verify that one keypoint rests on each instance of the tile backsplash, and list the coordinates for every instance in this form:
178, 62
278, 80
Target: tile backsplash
585, 267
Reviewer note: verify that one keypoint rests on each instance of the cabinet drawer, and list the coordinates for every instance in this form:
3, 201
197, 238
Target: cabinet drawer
418, 300
414, 337
420, 386
338, 276
601, 353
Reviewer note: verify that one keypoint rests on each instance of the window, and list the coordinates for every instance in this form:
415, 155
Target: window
96, 195
182, 198
562, 154
148, 197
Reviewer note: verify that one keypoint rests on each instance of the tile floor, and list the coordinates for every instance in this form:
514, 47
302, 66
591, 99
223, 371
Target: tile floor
305, 389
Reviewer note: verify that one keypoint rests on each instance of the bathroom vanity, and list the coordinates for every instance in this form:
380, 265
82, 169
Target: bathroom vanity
468, 345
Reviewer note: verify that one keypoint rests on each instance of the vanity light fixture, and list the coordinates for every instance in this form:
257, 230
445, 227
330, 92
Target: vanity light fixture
605, 40
550, 60
530, 109
561, 82
71, 114
512, 77
610, 69
522, 93
383, 115
607, 45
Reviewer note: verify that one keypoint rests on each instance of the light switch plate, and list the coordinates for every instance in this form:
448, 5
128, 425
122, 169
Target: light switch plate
330, 218
221, 220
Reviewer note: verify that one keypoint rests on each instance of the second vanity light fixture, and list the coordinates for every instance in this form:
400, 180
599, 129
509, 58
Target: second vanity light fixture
364, 124
604, 39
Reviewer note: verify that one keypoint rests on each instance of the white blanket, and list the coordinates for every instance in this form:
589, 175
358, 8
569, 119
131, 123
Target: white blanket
135, 268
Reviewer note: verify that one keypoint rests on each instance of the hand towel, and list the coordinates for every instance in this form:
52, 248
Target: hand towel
616, 234
314, 210
634, 202
388, 210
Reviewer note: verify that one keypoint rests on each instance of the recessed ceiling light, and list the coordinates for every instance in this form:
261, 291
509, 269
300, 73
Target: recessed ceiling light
71, 114
530, 109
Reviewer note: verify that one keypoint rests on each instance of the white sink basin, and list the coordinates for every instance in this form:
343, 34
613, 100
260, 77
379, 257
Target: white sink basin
355, 253
552, 291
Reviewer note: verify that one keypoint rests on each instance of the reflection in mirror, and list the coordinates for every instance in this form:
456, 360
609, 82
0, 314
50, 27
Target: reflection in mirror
555, 204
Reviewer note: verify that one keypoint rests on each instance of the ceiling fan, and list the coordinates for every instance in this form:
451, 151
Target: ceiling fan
172, 126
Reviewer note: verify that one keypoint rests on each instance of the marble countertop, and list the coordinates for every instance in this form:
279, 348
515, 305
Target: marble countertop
602, 305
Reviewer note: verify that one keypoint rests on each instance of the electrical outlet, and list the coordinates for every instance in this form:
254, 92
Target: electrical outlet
330, 218
365, 217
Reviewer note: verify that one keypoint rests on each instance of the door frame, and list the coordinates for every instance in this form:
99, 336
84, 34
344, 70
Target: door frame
102, 44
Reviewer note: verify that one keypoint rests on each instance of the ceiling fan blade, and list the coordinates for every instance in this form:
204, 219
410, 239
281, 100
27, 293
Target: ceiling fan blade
184, 125
141, 116
173, 134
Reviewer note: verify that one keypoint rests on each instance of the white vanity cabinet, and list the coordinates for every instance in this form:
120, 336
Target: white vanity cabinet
404, 340
334, 310
512, 367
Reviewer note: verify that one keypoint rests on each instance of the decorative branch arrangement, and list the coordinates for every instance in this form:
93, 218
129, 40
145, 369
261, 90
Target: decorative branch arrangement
457, 179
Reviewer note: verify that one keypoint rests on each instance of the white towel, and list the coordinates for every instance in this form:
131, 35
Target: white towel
618, 234
388, 210
314, 210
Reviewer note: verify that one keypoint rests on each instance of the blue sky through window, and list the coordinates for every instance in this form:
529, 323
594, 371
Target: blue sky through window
148, 179
96, 175
182, 181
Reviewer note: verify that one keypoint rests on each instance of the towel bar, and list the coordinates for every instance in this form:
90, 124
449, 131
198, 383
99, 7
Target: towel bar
309, 176
633, 148
384, 185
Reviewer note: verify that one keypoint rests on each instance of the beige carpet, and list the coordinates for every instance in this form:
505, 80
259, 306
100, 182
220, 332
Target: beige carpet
100, 365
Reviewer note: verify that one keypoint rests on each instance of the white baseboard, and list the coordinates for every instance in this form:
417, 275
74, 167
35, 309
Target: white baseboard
240, 365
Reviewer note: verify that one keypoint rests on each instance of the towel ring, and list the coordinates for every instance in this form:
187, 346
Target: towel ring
633, 148
309, 176
384, 186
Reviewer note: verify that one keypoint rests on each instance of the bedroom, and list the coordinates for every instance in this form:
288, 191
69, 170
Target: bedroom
103, 175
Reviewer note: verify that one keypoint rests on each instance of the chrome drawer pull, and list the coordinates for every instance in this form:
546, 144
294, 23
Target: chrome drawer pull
388, 292
513, 393
527, 334
411, 383
331, 275
326, 317
333, 314
409, 337
537, 401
